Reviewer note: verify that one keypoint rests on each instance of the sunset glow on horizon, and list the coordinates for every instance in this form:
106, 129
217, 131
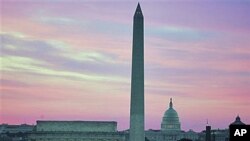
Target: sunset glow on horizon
71, 60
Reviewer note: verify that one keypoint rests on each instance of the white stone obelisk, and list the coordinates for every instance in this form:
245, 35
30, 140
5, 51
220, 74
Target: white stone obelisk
136, 131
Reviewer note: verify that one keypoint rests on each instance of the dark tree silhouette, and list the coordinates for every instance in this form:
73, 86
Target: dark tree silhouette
184, 139
5, 138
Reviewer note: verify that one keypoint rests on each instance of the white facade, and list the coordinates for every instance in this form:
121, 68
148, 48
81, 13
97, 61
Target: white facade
76, 126
76, 131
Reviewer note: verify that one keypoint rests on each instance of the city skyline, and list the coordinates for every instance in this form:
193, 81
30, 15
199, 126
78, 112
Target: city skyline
66, 60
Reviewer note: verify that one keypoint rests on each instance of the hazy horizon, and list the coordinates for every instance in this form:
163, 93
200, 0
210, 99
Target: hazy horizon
71, 60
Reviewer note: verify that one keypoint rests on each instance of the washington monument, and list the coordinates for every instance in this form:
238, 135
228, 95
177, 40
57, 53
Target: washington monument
136, 131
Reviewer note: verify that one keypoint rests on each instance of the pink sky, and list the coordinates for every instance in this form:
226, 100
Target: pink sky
71, 60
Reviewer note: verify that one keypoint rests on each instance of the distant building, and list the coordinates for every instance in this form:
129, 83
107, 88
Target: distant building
220, 135
158, 135
23, 128
194, 136
76, 131
208, 133
76, 126
237, 121
216, 135
15, 132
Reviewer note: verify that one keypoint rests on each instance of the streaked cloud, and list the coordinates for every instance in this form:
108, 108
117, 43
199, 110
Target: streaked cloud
56, 20
180, 34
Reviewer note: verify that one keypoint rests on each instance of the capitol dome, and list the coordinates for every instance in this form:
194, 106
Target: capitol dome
170, 121
237, 121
